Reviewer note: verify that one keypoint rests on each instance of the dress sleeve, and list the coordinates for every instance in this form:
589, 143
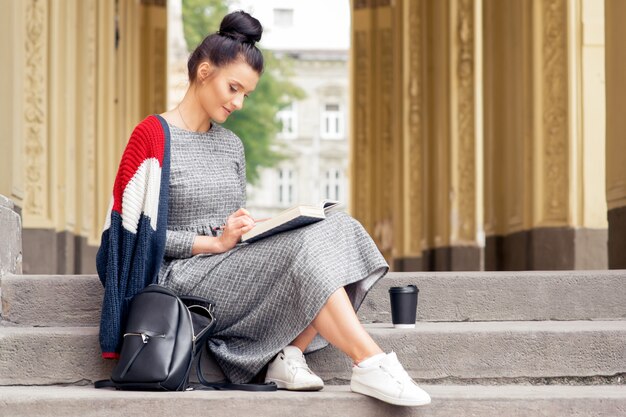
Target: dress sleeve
179, 243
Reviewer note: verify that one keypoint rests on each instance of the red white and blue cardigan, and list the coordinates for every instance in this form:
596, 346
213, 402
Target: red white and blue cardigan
133, 238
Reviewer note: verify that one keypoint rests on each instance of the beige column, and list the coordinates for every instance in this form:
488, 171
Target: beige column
86, 162
34, 119
615, 130
508, 132
413, 136
377, 163
154, 58
454, 130
386, 122
544, 118
107, 116
361, 140
62, 88
13, 52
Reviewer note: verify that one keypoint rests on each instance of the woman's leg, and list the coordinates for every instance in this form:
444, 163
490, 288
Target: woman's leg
305, 338
338, 323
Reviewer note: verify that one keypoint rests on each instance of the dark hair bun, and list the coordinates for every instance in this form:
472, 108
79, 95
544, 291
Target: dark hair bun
236, 39
242, 27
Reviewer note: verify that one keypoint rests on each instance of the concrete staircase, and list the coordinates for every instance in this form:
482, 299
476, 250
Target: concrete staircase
486, 344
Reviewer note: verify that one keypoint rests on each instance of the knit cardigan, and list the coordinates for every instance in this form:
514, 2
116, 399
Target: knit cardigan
133, 238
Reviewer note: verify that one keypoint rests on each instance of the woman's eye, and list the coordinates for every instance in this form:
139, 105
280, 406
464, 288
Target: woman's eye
233, 89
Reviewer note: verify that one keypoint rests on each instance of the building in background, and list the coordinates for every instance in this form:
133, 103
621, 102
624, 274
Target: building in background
315, 129
483, 134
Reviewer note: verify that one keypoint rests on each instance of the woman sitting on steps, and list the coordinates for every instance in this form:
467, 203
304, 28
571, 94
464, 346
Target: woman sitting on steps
278, 297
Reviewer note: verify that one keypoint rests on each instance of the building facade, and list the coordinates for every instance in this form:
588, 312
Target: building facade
314, 138
480, 135
315, 130
483, 134
78, 75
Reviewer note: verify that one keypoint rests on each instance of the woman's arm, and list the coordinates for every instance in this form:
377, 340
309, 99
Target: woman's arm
184, 244
207, 244
179, 243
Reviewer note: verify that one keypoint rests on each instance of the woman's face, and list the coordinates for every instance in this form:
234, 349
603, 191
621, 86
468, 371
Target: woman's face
223, 90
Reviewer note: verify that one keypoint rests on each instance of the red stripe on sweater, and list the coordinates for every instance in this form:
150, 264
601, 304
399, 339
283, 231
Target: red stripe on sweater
146, 141
110, 355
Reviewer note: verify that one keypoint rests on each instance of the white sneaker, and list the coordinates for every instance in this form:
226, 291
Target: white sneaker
290, 371
388, 382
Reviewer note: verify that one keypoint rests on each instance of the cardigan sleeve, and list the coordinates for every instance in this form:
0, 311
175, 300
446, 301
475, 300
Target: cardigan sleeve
179, 243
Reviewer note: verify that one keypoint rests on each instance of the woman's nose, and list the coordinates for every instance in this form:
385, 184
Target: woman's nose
238, 102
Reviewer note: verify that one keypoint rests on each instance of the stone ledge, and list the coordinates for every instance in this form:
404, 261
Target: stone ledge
42, 356
459, 401
74, 300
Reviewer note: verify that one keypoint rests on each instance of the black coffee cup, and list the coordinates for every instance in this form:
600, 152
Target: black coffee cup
403, 306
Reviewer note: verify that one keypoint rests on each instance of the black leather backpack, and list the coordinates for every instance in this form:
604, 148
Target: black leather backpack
164, 335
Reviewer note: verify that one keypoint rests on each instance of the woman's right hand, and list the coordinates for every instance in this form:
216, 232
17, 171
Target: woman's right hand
237, 224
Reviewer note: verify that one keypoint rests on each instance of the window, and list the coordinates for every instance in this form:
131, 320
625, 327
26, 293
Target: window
283, 18
333, 184
332, 122
288, 118
285, 186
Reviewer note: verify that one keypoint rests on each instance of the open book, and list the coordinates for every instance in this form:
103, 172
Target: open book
292, 218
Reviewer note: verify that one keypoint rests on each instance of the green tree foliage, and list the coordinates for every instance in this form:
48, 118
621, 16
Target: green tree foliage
256, 123
200, 18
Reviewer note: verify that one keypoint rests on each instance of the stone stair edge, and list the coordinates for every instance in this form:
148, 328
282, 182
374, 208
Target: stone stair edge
422, 326
447, 400
432, 351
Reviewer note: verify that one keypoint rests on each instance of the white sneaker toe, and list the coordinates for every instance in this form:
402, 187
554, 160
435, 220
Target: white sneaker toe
388, 382
290, 371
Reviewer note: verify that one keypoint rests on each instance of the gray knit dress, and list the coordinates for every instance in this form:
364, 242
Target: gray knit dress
267, 292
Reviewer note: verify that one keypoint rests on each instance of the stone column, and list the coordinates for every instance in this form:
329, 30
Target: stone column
362, 138
453, 154
413, 135
377, 165
615, 33
544, 118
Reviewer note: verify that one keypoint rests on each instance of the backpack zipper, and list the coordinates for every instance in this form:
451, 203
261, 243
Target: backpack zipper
144, 336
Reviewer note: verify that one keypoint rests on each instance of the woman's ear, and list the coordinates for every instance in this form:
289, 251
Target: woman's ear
204, 71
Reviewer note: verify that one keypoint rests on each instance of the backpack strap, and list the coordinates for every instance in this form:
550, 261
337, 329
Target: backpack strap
104, 383
229, 386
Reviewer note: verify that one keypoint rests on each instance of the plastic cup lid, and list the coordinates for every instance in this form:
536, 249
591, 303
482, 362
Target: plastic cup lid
406, 289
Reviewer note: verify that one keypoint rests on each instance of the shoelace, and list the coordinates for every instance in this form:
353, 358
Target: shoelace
397, 373
298, 363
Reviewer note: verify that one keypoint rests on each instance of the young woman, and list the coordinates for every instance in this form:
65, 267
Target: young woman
275, 295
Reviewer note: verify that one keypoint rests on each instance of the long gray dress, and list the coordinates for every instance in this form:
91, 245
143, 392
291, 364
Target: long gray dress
266, 292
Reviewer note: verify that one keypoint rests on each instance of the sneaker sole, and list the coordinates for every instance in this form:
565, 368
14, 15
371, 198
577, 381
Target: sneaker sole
294, 387
365, 390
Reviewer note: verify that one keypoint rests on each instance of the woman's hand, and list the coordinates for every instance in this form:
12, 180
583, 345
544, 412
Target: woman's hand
237, 224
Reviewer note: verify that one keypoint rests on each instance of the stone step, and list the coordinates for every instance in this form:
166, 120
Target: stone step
74, 300
447, 400
505, 296
500, 351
